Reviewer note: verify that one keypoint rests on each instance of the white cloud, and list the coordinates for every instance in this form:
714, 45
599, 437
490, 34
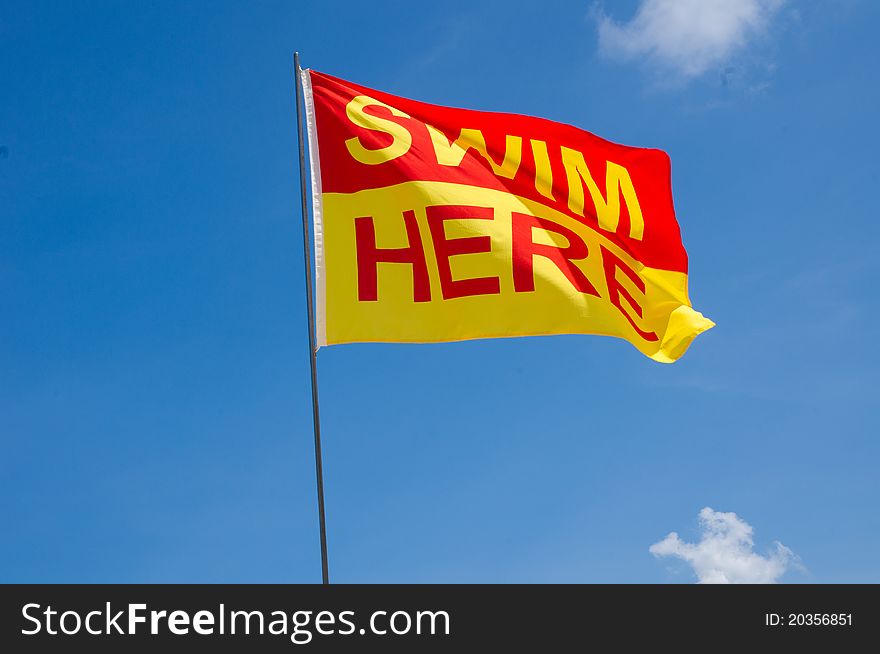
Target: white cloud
686, 36
725, 553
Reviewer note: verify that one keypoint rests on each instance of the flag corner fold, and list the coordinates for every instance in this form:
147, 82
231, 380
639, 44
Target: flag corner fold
685, 324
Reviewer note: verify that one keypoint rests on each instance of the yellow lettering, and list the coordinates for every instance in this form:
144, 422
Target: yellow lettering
617, 182
401, 135
451, 154
543, 171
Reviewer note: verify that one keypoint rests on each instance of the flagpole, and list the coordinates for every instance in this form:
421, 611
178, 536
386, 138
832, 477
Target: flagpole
307, 258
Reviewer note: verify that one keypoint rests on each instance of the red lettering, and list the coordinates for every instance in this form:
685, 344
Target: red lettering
369, 257
611, 264
445, 248
525, 249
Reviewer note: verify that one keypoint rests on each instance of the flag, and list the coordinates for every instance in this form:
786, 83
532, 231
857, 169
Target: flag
433, 224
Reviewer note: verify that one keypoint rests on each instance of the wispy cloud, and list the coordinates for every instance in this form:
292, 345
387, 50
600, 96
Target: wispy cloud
725, 553
686, 37
450, 36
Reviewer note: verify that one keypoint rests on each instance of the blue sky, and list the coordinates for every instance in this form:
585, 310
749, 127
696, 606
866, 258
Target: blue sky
154, 408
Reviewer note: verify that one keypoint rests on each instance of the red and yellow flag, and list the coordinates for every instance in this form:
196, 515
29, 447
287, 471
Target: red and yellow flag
441, 224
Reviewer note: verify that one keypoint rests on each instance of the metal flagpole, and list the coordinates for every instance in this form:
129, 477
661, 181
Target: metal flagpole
307, 258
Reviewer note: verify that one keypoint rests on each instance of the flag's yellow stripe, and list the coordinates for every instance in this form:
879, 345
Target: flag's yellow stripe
555, 307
